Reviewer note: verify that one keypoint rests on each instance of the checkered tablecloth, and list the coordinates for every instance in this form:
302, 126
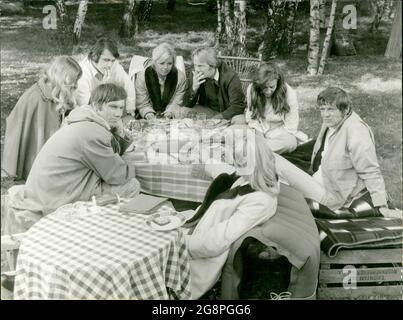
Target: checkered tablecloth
177, 181
104, 255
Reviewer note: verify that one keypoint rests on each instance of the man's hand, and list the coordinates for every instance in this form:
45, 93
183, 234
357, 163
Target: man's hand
119, 128
198, 79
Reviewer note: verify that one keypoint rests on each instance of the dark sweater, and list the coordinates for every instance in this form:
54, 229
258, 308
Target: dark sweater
231, 98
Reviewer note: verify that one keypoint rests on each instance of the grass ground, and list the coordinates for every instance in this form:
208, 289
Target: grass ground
373, 81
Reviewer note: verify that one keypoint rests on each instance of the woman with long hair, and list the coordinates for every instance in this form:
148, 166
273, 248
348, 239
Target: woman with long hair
236, 201
160, 88
272, 109
38, 114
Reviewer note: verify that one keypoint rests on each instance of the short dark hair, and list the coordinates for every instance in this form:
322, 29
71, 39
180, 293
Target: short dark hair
107, 92
334, 96
99, 47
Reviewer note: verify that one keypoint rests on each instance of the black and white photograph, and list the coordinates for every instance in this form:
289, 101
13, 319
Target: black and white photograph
214, 151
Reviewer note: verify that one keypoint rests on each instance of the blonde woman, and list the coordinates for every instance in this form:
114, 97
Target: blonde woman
38, 114
160, 88
234, 204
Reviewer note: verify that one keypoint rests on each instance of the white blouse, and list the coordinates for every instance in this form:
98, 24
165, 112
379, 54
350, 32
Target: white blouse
273, 121
224, 222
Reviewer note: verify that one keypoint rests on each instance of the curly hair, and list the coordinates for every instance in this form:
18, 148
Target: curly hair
62, 75
257, 102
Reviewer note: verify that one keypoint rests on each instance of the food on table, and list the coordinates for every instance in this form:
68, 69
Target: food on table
162, 220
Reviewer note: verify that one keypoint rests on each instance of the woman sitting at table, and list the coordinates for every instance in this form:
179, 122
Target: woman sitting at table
160, 88
272, 109
38, 115
234, 204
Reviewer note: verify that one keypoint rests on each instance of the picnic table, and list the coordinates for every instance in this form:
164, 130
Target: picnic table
171, 173
76, 254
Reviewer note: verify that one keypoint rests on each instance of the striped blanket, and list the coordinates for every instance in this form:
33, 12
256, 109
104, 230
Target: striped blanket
375, 232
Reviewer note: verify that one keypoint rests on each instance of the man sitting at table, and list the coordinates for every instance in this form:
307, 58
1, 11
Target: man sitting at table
215, 87
80, 160
101, 66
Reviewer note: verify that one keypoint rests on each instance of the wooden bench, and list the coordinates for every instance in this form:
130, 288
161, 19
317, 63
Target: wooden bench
371, 274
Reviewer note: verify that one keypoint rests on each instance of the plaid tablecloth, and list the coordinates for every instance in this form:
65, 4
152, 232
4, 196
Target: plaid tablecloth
177, 181
103, 255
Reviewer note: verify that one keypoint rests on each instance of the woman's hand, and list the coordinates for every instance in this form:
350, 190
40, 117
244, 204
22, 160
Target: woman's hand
391, 213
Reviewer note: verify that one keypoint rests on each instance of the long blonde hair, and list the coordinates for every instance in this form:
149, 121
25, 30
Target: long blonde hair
62, 76
262, 174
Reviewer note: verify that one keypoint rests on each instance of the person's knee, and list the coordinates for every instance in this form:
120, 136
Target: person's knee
286, 144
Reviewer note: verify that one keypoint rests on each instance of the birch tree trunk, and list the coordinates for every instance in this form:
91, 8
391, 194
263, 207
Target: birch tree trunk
219, 30
322, 13
240, 27
287, 42
78, 25
64, 34
394, 48
229, 26
127, 26
328, 37
314, 33
275, 28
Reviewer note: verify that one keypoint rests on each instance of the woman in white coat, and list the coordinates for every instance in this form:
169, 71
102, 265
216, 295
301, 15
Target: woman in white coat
236, 201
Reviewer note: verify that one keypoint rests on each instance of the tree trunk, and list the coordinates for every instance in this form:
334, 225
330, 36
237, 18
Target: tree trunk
326, 43
322, 13
127, 27
229, 25
379, 7
314, 34
287, 42
64, 35
275, 29
394, 48
219, 30
81, 12
171, 5
240, 27
144, 10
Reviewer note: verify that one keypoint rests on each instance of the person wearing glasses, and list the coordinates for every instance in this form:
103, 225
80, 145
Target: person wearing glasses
38, 114
101, 66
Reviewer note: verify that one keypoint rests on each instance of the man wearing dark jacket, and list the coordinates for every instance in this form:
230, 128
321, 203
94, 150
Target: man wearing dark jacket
216, 88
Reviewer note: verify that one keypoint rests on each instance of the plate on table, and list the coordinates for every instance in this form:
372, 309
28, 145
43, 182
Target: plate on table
165, 220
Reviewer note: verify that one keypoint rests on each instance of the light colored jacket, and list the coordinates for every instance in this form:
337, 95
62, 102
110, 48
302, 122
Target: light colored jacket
73, 163
89, 82
143, 100
350, 163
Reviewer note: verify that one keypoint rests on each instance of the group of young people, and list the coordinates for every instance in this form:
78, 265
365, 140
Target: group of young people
65, 137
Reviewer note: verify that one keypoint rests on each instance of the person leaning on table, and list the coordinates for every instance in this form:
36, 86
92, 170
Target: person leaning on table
101, 66
80, 160
215, 88
240, 199
343, 163
160, 88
